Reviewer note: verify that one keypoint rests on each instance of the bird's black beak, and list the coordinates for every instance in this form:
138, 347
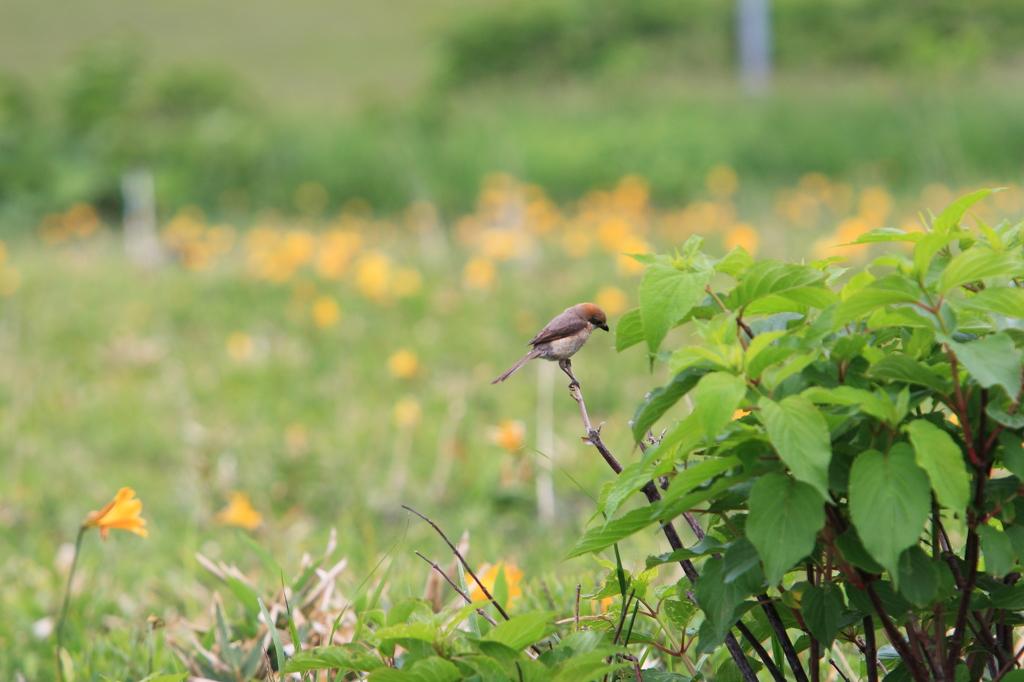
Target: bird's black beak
603, 326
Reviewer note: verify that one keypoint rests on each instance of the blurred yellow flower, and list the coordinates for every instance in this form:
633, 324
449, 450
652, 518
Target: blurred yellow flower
816, 184
874, 206
509, 434
407, 282
740, 413
502, 244
407, 412
240, 346
373, 275
239, 512
613, 234
630, 266
722, 182
403, 364
81, 220
221, 239
326, 312
631, 194
613, 300
121, 513
337, 249
513, 576
953, 419
479, 273
743, 234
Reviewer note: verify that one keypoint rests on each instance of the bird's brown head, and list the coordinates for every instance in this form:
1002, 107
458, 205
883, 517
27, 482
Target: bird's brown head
593, 314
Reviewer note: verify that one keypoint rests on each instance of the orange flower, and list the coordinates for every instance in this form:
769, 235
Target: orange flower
122, 512
239, 513
509, 434
513, 576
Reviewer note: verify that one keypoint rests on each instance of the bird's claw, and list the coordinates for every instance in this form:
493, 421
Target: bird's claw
574, 384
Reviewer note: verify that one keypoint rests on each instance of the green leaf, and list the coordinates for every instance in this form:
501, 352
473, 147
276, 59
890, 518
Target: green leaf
822, 608
997, 549
734, 261
926, 249
899, 367
768, 277
853, 551
679, 611
937, 453
800, 435
662, 399
785, 517
279, 650
684, 436
1010, 597
666, 294
522, 631
866, 301
414, 630
718, 396
433, 669
887, 234
629, 331
889, 502
740, 557
977, 264
697, 474
720, 600
954, 213
919, 577
1013, 454
991, 361
869, 403
1007, 301
328, 657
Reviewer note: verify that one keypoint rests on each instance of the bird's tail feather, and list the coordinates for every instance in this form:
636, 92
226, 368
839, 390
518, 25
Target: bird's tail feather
526, 358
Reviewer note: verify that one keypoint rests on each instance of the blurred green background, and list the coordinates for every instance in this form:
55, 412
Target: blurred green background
364, 210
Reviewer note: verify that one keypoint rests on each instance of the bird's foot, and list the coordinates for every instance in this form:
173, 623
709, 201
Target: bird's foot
574, 384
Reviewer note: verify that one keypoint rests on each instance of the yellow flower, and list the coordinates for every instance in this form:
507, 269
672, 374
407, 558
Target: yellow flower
239, 513
404, 364
612, 299
240, 346
576, 242
874, 206
722, 181
613, 234
629, 266
373, 275
739, 414
479, 273
407, 282
509, 434
513, 576
407, 412
743, 234
326, 312
122, 512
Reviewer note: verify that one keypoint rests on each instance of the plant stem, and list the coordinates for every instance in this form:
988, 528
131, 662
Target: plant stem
67, 599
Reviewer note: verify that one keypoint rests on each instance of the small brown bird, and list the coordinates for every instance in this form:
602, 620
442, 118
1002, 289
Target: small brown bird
562, 337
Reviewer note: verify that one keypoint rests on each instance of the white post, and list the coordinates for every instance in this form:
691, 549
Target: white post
754, 43
545, 440
141, 243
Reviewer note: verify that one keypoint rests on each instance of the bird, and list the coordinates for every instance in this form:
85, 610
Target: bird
562, 337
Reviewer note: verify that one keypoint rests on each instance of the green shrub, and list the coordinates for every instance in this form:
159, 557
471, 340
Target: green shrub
855, 454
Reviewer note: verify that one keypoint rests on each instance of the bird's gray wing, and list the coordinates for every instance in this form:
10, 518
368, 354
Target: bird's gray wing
562, 326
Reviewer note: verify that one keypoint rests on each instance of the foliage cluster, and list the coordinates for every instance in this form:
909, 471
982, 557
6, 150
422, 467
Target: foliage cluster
857, 454
210, 143
588, 36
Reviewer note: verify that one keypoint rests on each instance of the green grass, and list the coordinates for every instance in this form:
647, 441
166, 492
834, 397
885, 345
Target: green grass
182, 424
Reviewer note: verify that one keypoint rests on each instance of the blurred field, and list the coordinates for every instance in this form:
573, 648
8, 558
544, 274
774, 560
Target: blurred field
347, 273
332, 370
307, 56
